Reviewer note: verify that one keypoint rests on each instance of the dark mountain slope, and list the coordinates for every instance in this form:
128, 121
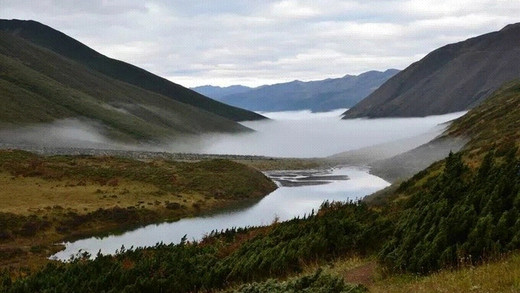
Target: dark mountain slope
453, 78
68, 47
320, 95
37, 85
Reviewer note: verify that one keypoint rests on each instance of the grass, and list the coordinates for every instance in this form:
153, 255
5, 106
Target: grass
44, 200
499, 276
29, 195
492, 124
269, 164
494, 276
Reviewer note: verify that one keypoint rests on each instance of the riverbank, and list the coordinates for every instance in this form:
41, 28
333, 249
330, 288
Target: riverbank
48, 199
263, 163
302, 197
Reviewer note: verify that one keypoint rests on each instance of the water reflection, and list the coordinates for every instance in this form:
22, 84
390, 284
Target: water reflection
284, 203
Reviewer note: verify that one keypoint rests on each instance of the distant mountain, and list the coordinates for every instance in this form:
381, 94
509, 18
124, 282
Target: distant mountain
452, 78
321, 95
49, 38
38, 85
217, 92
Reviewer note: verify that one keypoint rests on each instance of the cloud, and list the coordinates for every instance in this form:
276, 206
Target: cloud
258, 42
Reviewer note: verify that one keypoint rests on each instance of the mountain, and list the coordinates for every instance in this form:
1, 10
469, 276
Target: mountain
38, 85
321, 95
51, 39
217, 92
452, 78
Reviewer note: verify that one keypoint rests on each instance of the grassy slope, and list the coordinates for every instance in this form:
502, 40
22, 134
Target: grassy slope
498, 276
501, 275
64, 45
47, 199
39, 86
493, 124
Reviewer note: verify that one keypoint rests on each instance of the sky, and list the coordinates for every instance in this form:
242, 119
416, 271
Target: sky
260, 42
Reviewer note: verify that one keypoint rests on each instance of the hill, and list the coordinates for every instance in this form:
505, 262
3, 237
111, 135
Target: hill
318, 96
494, 123
46, 199
38, 85
49, 38
453, 78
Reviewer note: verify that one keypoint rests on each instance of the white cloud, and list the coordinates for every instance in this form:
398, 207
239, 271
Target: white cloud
258, 42
293, 9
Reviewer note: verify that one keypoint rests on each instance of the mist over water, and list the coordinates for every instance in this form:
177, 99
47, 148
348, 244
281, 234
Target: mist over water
306, 134
288, 134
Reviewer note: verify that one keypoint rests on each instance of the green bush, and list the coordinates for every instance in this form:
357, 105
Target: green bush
462, 217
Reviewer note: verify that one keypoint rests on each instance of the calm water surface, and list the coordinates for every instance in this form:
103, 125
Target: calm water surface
284, 203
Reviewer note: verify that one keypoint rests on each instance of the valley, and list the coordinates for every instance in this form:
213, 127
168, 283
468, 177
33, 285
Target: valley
115, 179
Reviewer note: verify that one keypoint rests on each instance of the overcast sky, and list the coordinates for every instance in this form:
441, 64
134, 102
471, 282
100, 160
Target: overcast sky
262, 42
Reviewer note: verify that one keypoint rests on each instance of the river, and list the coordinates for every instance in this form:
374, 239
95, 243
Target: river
286, 202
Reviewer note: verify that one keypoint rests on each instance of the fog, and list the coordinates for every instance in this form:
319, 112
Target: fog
61, 133
305, 134
288, 134
407, 164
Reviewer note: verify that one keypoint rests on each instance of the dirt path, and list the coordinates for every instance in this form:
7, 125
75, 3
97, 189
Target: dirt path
363, 274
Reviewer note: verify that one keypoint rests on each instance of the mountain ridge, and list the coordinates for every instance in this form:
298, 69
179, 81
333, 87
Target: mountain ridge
54, 40
39, 86
317, 95
452, 78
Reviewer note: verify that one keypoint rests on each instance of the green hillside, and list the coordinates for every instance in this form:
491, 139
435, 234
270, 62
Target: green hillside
70, 48
496, 122
37, 85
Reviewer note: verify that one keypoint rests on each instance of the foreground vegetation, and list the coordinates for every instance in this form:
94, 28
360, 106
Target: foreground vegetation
492, 276
44, 200
315, 283
231, 257
456, 214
